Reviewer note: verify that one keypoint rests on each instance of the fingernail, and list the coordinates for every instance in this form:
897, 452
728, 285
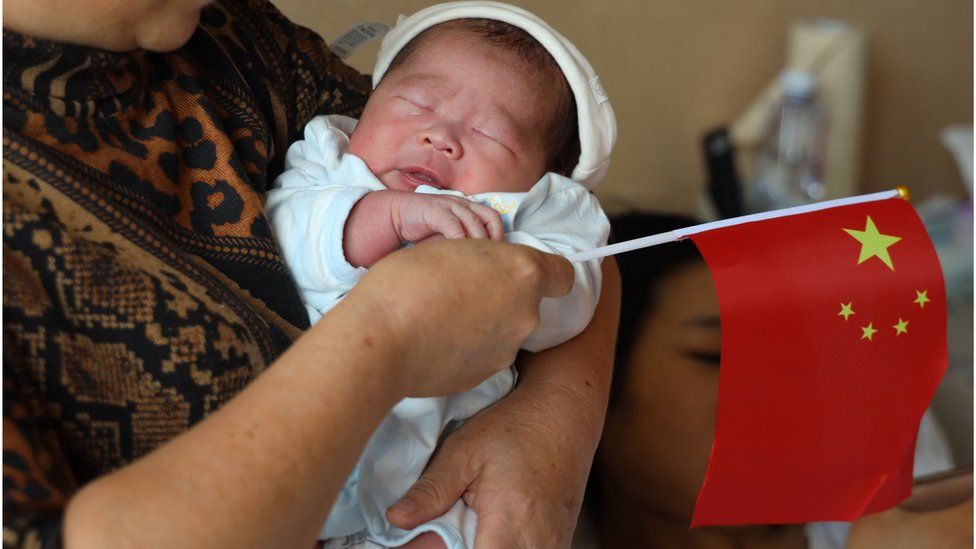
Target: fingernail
404, 507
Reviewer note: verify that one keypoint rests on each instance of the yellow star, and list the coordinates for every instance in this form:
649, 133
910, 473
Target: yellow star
846, 310
868, 331
921, 298
901, 327
873, 243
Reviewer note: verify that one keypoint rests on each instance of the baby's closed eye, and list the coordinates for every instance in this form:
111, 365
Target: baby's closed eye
417, 103
494, 136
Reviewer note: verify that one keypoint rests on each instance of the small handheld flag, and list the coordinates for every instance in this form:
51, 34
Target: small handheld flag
833, 343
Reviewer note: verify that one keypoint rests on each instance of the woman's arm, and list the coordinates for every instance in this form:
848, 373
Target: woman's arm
264, 469
523, 462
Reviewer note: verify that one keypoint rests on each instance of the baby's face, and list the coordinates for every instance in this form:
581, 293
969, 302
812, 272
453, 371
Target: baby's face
461, 114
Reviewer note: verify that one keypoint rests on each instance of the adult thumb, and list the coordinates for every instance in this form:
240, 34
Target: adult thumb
440, 486
555, 272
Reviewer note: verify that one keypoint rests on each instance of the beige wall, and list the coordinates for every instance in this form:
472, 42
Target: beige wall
676, 69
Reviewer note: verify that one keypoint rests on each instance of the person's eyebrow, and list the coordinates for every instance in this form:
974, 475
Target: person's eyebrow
424, 82
423, 79
709, 321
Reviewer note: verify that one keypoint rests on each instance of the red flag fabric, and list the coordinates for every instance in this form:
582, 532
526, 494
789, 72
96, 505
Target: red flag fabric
833, 344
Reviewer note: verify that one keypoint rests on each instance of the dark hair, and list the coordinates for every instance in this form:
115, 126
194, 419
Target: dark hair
563, 144
640, 273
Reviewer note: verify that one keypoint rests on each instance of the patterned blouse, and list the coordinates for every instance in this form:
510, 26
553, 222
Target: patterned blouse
141, 286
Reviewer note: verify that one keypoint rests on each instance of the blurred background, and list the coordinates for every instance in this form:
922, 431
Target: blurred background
886, 89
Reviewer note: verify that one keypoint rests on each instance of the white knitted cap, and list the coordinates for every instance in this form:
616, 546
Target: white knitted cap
597, 124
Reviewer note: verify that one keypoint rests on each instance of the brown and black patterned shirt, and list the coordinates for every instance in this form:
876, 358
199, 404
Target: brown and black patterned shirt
141, 286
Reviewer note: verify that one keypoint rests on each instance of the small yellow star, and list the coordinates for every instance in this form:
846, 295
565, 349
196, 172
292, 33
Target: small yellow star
921, 298
901, 327
846, 310
873, 243
868, 331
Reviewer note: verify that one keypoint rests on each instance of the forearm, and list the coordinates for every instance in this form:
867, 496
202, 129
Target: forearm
370, 233
570, 384
264, 469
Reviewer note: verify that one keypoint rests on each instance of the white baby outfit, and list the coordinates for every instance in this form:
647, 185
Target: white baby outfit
308, 208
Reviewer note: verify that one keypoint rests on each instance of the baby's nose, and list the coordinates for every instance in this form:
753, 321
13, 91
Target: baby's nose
443, 141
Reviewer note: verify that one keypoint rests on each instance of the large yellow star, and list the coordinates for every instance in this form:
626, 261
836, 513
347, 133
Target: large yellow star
846, 310
901, 327
868, 331
873, 243
921, 297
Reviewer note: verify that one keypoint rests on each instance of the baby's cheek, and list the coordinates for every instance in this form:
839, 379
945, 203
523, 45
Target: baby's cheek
369, 151
355, 144
378, 149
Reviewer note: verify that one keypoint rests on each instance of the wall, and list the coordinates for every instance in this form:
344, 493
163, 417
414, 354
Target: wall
677, 69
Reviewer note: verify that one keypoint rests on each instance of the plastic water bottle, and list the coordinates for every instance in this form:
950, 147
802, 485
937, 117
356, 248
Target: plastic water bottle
789, 169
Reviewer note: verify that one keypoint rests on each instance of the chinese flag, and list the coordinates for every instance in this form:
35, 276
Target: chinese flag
833, 344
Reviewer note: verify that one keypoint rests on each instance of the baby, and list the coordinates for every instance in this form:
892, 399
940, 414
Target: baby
484, 123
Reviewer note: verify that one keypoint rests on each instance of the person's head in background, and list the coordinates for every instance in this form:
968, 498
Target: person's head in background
473, 105
661, 418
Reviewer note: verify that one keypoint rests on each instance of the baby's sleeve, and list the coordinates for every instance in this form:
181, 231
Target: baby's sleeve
560, 216
308, 207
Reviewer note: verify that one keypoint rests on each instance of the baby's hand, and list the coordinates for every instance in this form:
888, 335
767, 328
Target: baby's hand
383, 220
417, 217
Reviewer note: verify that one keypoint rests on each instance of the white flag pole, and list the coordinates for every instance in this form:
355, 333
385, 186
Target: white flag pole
679, 234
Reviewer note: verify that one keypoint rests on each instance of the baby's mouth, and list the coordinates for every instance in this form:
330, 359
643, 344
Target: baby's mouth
420, 176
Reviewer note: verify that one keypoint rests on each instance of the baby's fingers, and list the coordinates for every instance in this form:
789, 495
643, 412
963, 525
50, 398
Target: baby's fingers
492, 221
446, 223
473, 225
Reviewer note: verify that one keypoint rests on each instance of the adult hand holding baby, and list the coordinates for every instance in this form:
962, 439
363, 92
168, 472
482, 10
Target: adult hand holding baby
511, 477
452, 288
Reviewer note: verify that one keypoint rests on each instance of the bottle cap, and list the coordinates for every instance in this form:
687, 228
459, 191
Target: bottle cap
797, 83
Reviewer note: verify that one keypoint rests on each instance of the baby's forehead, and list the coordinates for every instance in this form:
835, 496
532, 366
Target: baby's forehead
530, 55
523, 56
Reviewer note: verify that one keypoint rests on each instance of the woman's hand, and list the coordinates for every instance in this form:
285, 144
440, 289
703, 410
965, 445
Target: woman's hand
522, 464
458, 310
900, 528
939, 514
508, 464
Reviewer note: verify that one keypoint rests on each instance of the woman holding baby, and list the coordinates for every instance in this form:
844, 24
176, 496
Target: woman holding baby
162, 386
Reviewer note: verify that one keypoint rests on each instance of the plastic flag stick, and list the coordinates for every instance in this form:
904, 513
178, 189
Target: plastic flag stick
671, 236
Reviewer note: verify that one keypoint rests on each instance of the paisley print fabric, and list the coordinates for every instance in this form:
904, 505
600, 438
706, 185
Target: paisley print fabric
141, 286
